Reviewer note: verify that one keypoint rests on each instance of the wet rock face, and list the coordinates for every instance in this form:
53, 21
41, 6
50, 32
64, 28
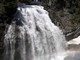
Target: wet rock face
2, 29
74, 47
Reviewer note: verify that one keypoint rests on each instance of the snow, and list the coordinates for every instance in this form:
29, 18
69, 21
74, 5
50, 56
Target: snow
74, 41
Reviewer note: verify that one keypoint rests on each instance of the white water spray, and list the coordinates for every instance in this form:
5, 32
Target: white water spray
32, 36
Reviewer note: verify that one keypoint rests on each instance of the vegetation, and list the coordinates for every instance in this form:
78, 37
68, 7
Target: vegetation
7, 9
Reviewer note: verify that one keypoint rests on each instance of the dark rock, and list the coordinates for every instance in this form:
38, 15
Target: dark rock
74, 47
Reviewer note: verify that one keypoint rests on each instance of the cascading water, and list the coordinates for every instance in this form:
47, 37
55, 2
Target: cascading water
32, 36
35, 0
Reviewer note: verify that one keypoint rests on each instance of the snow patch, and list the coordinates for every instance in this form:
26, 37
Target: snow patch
75, 41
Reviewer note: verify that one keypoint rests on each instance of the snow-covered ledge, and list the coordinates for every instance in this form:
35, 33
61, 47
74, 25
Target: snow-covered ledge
74, 41
74, 44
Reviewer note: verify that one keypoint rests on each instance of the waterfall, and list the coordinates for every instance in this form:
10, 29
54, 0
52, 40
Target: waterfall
35, 0
32, 36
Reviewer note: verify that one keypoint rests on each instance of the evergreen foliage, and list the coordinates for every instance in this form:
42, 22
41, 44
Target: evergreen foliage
7, 9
